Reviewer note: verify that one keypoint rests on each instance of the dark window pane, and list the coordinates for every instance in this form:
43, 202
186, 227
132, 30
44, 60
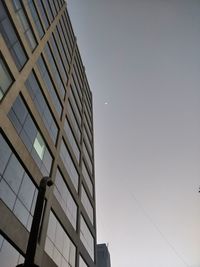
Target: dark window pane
5, 78
36, 18
9, 255
8, 32
6, 194
14, 173
26, 192
5, 153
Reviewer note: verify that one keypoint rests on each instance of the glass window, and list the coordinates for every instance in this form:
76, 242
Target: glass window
86, 138
73, 120
75, 107
87, 238
16, 187
5, 78
48, 9
78, 79
58, 58
61, 48
40, 5
11, 39
8, 254
65, 198
82, 262
39, 145
71, 139
87, 178
54, 70
86, 203
75, 89
58, 244
87, 128
28, 33
69, 164
87, 157
53, 8
31, 137
41, 105
49, 85
89, 120
65, 40
68, 26
36, 19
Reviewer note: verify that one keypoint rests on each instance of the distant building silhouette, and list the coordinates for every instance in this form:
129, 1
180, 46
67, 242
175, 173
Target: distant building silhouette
103, 256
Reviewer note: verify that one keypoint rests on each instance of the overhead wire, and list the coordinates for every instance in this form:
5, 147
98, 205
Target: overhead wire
149, 218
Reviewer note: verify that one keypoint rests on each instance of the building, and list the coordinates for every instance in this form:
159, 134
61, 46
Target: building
103, 256
46, 129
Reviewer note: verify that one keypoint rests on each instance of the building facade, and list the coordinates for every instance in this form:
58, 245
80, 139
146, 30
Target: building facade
46, 129
103, 256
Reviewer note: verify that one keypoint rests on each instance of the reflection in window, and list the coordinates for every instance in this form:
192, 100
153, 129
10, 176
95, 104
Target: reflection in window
87, 178
16, 188
8, 254
65, 199
69, 164
12, 41
58, 245
31, 137
86, 203
28, 33
36, 19
87, 238
5, 78
41, 105
71, 139
49, 85
82, 262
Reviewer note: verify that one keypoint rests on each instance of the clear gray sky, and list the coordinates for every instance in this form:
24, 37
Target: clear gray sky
142, 57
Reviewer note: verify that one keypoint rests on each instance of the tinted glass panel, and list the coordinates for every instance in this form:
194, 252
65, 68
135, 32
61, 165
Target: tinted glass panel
54, 70
43, 14
31, 137
87, 238
49, 85
16, 187
71, 139
87, 178
36, 19
5, 78
87, 205
58, 244
69, 164
25, 25
11, 39
65, 198
40, 102
8, 254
